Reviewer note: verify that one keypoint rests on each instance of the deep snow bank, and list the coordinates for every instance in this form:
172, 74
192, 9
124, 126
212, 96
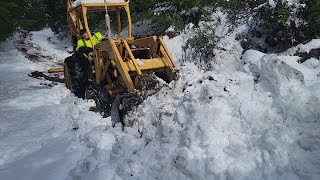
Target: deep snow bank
228, 125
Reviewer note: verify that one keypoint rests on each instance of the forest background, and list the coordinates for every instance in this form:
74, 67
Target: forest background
280, 24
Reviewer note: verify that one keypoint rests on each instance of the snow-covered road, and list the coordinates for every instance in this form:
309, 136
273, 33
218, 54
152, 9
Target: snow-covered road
37, 121
255, 117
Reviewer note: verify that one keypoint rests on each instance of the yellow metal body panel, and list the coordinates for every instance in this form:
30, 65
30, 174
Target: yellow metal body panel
150, 42
132, 58
167, 53
147, 64
121, 66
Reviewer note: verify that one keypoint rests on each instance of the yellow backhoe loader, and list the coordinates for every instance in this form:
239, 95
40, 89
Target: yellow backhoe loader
120, 69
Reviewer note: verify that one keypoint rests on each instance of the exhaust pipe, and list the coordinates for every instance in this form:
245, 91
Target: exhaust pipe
107, 17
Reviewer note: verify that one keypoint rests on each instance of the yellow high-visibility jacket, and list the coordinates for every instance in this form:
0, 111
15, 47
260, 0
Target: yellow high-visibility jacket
96, 38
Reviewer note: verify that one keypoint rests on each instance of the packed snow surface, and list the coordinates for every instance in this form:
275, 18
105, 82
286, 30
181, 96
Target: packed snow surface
253, 116
78, 2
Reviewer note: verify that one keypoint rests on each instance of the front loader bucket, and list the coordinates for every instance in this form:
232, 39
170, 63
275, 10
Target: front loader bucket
135, 57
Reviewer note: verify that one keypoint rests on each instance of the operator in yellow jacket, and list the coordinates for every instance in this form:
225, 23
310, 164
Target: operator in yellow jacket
84, 45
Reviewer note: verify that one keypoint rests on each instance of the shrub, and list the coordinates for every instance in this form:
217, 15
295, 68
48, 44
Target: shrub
202, 44
311, 15
275, 28
7, 19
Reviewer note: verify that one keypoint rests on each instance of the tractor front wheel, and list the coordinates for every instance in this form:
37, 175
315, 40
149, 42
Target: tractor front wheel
76, 75
101, 97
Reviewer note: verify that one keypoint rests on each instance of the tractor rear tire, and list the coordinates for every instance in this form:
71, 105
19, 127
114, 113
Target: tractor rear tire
101, 97
76, 75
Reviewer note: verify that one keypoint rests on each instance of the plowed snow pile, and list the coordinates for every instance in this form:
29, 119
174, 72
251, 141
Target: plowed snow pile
255, 116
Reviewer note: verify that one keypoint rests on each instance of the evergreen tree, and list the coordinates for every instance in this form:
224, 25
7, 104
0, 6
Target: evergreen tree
8, 12
56, 14
33, 16
311, 15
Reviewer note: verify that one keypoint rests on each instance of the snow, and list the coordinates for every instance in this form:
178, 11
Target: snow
78, 2
51, 45
272, 3
295, 3
314, 44
251, 61
175, 46
252, 116
230, 49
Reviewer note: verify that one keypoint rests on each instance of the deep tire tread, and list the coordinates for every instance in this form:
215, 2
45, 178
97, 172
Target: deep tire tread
101, 97
78, 72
